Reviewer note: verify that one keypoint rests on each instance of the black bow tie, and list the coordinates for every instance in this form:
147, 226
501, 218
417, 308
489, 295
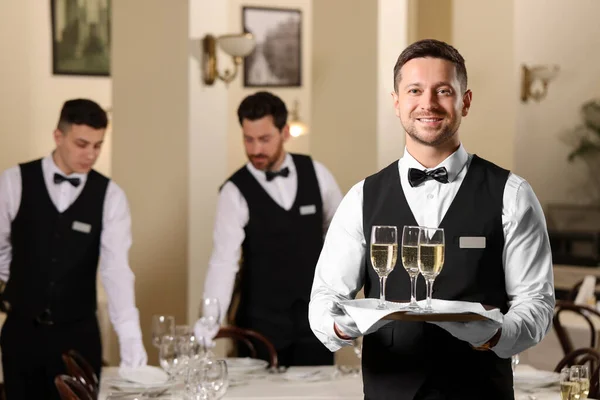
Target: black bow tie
417, 176
273, 174
58, 178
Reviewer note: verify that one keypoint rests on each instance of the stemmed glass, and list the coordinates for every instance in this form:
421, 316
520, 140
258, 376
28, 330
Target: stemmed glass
384, 251
584, 381
162, 325
209, 322
431, 258
168, 356
207, 380
410, 260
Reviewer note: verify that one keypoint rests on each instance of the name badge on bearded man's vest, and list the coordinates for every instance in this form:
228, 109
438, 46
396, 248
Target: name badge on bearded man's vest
308, 209
81, 227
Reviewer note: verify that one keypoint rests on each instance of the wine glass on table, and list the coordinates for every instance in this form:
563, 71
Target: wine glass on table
384, 251
162, 325
410, 261
431, 258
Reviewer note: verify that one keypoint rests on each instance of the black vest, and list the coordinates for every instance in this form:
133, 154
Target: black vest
281, 248
54, 263
404, 357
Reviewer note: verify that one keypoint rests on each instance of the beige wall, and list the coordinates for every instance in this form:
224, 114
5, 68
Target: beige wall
150, 162
235, 150
540, 155
208, 153
31, 96
344, 106
431, 19
483, 32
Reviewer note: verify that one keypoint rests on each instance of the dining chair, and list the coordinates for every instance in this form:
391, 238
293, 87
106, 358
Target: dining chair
584, 356
79, 368
70, 388
585, 312
246, 337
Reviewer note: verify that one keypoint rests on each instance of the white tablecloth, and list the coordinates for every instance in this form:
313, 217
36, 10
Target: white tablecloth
273, 387
345, 387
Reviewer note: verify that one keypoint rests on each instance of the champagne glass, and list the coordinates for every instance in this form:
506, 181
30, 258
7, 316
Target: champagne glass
584, 381
162, 325
566, 386
384, 251
431, 258
575, 379
410, 261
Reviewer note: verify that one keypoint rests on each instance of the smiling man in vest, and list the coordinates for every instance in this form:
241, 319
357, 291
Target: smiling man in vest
57, 218
506, 263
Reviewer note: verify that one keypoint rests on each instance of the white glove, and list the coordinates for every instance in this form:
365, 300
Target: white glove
205, 332
133, 353
475, 333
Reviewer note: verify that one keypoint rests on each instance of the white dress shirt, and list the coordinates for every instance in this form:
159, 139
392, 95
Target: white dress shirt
232, 216
115, 240
526, 257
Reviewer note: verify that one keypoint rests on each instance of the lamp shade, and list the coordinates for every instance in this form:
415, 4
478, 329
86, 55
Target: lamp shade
239, 45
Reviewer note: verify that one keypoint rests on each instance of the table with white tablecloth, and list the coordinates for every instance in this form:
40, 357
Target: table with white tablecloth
346, 387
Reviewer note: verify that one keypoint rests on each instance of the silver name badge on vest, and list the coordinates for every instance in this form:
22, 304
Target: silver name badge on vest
472, 242
81, 227
308, 210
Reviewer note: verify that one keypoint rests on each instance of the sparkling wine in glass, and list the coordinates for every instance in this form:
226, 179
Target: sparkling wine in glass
584, 381
431, 258
384, 251
410, 261
162, 325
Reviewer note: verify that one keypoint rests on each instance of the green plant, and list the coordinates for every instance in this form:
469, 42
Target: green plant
585, 140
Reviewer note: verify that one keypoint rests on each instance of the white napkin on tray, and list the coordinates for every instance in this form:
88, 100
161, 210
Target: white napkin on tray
365, 313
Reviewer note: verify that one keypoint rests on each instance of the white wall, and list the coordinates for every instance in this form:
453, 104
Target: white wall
31, 96
540, 155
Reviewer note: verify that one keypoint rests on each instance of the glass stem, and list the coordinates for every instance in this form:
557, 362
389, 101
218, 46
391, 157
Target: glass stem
429, 292
413, 289
382, 280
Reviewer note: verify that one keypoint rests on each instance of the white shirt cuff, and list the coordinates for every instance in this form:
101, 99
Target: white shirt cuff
333, 341
505, 347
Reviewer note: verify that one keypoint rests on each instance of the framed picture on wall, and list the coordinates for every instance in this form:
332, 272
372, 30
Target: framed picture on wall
277, 58
80, 37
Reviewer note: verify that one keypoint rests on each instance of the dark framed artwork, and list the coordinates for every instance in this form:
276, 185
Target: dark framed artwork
277, 58
80, 37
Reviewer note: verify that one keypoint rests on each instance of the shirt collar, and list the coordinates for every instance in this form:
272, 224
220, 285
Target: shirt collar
50, 166
287, 162
453, 164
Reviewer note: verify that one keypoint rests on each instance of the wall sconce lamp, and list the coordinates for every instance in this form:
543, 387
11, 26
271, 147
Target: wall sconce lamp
297, 127
237, 46
534, 81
